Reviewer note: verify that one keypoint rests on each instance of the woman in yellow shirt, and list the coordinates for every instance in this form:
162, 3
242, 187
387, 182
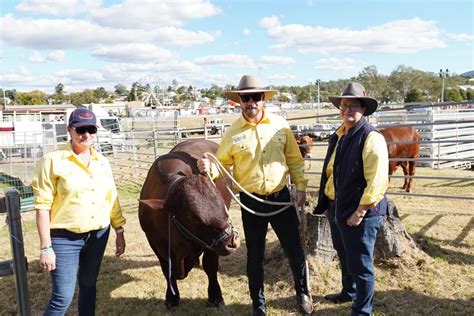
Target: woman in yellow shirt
352, 195
76, 202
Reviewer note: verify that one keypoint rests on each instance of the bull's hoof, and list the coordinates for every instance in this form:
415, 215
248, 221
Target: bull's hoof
171, 304
215, 304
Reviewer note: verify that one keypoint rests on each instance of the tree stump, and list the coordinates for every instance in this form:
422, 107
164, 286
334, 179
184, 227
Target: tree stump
392, 238
318, 238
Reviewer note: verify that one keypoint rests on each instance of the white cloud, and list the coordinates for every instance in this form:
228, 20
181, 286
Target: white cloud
463, 37
281, 60
347, 66
139, 14
246, 32
63, 7
133, 52
79, 75
63, 34
57, 55
401, 36
281, 77
183, 38
229, 60
82, 34
36, 57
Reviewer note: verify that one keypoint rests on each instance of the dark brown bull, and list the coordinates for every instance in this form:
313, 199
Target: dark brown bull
176, 195
398, 146
305, 144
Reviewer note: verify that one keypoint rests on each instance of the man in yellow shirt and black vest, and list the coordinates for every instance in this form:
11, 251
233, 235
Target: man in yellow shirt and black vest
262, 151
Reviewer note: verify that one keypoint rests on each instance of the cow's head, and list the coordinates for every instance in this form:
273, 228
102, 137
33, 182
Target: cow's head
305, 144
196, 205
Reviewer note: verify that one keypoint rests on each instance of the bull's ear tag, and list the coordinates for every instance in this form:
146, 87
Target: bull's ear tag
155, 204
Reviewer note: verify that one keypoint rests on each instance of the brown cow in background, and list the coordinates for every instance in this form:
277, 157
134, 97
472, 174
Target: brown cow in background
402, 142
305, 143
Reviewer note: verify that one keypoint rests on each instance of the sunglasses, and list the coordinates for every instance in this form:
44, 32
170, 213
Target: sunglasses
86, 129
256, 97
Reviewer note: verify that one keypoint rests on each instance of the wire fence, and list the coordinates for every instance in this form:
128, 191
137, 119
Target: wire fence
447, 141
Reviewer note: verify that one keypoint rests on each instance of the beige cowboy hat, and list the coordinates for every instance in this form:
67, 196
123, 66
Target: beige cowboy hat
355, 90
249, 84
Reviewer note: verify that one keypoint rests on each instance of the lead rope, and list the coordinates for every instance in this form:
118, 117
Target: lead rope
222, 171
169, 255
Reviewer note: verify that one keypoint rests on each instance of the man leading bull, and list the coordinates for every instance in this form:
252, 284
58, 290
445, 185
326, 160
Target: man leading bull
262, 151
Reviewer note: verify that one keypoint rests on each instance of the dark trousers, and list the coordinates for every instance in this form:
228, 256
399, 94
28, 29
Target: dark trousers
286, 227
78, 258
355, 248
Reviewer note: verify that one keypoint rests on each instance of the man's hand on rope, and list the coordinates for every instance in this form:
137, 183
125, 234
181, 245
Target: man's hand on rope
204, 165
301, 198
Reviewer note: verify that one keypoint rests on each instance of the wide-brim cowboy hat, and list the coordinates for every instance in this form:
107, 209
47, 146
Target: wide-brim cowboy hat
355, 90
249, 84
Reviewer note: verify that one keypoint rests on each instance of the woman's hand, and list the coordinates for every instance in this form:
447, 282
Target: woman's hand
120, 244
47, 261
356, 218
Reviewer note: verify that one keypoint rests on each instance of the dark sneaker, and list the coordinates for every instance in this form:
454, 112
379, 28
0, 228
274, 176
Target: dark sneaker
305, 303
338, 298
259, 311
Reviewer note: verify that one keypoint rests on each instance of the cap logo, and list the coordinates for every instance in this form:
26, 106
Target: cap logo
85, 116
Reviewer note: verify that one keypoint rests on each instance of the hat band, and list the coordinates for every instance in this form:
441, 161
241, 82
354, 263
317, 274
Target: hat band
251, 88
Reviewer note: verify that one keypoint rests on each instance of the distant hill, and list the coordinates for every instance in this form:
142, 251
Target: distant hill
468, 74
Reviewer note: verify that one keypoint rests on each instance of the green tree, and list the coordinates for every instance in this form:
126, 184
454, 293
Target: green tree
58, 96
414, 95
452, 95
85, 97
34, 97
463, 94
404, 79
121, 90
374, 82
100, 93
469, 95
59, 88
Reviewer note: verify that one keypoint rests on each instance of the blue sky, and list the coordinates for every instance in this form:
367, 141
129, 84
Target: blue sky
90, 43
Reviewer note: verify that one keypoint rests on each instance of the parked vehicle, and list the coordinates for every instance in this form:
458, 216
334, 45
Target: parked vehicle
22, 138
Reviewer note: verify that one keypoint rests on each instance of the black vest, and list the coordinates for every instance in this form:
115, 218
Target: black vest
348, 174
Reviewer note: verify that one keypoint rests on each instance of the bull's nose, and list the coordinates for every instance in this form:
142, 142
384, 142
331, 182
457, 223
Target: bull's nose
235, 242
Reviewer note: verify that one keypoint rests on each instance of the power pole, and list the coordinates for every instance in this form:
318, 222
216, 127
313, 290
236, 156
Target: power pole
442, 75
318, 83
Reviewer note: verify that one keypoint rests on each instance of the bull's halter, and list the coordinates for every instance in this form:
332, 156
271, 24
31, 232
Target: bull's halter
187, 233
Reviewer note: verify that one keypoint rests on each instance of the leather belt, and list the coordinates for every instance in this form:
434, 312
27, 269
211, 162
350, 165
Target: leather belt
273, 195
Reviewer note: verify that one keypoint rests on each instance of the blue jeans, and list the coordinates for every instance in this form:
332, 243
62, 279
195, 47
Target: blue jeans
78, 257
348, 284
359, 245
286, 227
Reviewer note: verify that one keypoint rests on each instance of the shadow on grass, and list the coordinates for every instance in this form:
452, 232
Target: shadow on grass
433, 247
113, 276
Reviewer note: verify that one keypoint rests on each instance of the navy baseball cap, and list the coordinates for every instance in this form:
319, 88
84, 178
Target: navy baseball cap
82, 117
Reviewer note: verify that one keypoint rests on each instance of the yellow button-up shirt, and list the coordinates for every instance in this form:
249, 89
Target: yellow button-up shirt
262, 155
375, 158
80, 198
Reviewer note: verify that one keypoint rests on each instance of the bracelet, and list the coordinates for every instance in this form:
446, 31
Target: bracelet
47, 250
119, 230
